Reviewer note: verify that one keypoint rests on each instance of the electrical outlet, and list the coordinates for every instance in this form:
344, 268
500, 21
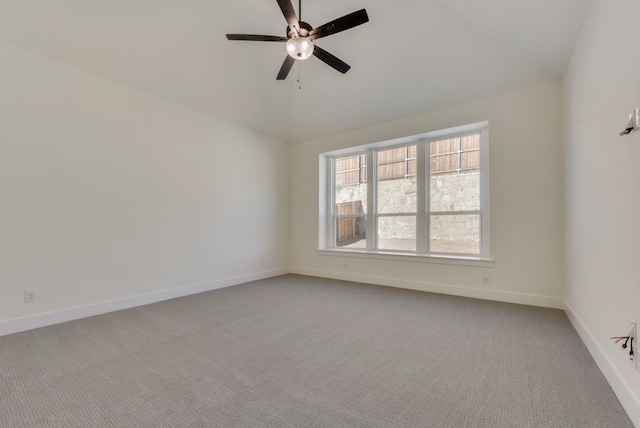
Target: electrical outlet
29, 296
485, 280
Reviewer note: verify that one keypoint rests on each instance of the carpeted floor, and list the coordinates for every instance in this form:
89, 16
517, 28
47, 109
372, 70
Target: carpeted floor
299, 352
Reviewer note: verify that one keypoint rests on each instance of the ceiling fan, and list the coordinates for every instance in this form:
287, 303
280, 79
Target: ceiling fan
300, 37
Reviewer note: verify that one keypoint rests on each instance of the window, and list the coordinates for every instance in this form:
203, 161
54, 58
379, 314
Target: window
424, 195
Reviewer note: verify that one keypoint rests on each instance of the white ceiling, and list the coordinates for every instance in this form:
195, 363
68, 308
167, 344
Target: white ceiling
411, 57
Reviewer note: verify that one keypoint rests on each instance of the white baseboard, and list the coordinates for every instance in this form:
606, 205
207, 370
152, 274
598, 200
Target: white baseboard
454, 290
630, 402
49, 318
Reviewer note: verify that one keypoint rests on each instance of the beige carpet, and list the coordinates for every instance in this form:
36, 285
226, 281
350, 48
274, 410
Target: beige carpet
305, 352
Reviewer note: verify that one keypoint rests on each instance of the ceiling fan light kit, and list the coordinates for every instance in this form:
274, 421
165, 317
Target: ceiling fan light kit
300, 38
299, 48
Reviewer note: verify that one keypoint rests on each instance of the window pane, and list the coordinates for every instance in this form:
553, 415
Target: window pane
350, 182
397, 184
443, 156
455, 192
470, 153
455, 174
455, 233
397, 233
351, 232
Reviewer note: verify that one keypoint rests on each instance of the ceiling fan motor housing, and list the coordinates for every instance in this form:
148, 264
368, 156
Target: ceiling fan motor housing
304, 30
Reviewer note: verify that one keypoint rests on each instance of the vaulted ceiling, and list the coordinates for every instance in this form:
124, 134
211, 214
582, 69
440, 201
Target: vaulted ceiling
413, 56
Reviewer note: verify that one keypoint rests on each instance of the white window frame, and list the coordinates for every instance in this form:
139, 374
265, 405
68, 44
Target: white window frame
327, 217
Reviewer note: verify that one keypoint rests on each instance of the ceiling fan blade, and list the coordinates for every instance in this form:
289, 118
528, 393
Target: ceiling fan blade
331, 60
256, 38
286, 67
337, 25
289, 14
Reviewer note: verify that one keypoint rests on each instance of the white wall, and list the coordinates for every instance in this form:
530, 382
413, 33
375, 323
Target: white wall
602, 86
525, 139
107, 193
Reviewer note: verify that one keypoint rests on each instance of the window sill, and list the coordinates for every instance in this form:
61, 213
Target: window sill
419, 258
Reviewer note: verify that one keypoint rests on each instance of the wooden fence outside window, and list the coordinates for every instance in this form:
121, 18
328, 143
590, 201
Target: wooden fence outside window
350, 228
450, 156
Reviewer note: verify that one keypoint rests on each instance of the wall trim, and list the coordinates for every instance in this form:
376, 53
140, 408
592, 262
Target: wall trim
56, 317
454, 290
630, 402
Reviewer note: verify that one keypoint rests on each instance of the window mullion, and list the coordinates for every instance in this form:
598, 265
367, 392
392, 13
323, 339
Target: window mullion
330, 232
422, 189
484, 193
459, 154
461, 212
372, 219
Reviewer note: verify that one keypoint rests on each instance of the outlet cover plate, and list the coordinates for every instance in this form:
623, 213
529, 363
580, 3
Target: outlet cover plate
29, 296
